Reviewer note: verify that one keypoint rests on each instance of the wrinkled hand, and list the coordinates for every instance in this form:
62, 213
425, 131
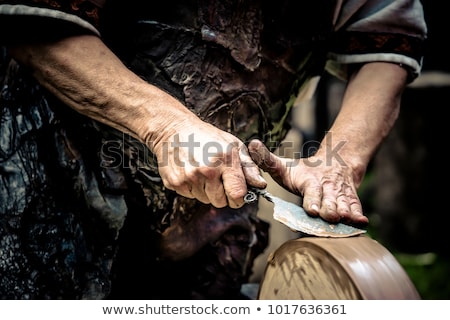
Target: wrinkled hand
328, 189
197, 160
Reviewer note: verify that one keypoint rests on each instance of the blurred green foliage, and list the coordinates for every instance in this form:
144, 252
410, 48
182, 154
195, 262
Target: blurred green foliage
429, 272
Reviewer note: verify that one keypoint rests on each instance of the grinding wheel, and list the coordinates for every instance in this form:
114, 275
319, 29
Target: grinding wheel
354, 268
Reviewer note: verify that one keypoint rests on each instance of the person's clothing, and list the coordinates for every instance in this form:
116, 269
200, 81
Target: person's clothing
83, 213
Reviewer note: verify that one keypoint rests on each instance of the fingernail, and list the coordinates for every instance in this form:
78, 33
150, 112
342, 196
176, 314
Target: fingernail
260, 178
315, 207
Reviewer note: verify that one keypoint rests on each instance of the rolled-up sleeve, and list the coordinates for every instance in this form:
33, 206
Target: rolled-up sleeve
378, 30
33, 19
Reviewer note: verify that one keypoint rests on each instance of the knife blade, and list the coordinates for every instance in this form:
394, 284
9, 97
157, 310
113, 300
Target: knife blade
296, 218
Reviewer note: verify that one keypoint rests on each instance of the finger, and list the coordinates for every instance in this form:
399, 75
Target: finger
328, 208
199, 193
349, 207
312, 199
216, 193
251, 170
343, 207
196, 184
181, 188
185, 192
359, 219
266, 160
357, 216
234, 181
344, 200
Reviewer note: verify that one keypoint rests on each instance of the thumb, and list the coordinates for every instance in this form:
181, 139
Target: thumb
266, 160
251, 170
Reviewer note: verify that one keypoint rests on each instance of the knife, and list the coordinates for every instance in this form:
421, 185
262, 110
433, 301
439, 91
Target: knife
296, 218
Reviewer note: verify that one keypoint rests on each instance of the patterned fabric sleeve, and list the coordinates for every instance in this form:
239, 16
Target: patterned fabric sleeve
378, 30
33, 19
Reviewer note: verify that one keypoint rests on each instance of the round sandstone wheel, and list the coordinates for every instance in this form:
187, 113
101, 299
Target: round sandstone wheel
354, 268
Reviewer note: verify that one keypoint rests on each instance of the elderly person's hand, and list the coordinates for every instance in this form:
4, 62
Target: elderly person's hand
197, 160
328, 181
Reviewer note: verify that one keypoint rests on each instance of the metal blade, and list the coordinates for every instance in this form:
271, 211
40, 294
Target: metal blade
294, 217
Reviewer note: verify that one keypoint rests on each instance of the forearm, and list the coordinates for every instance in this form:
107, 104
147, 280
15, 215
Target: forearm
369, 109
83, 73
